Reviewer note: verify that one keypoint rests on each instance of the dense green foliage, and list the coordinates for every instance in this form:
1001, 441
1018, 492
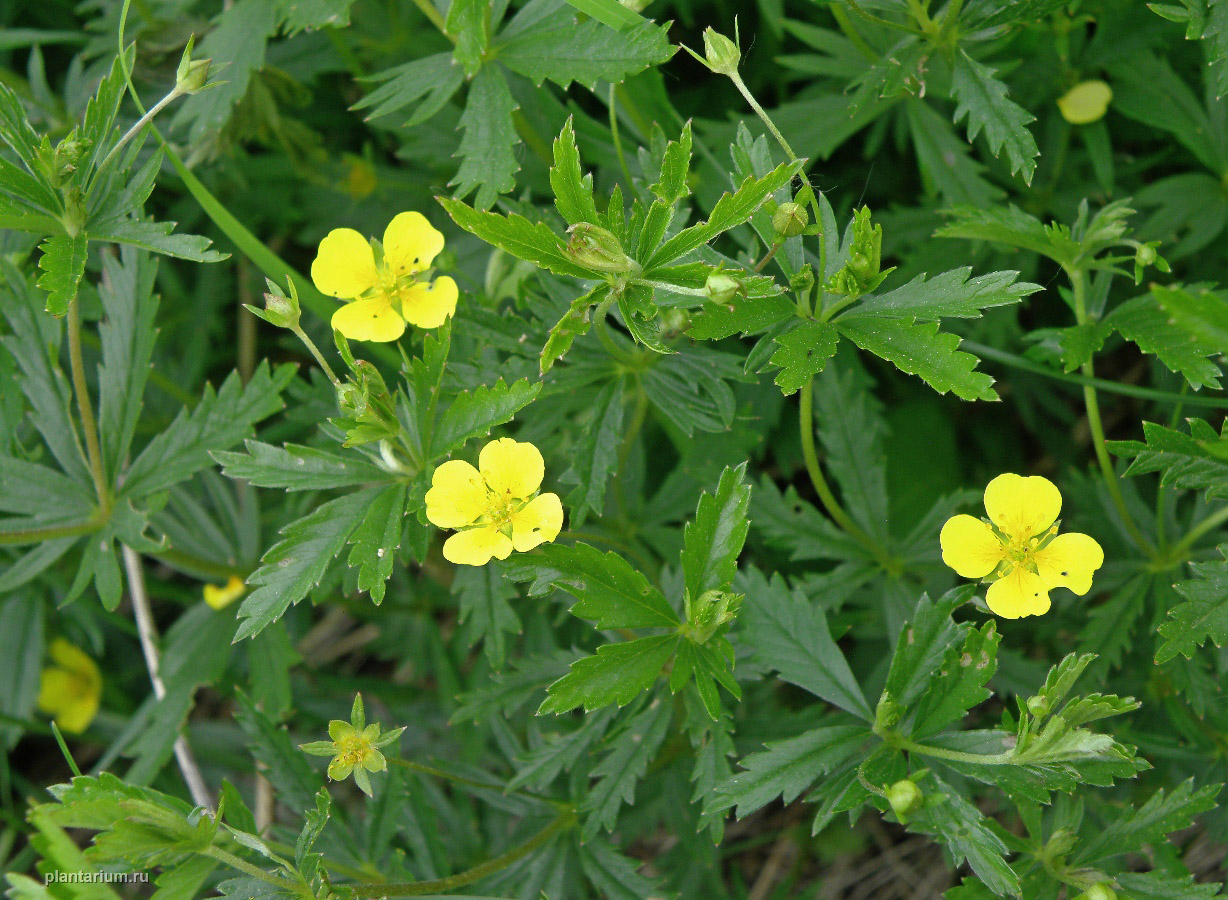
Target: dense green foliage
773, 309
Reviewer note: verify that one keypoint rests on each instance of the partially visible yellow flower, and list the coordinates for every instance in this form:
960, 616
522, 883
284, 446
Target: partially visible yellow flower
69, 691
354, 746
1085, 103
1019, 547
221, 597
388, 293
496, 506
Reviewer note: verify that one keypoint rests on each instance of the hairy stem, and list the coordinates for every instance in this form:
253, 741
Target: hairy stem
148, 635
86, 409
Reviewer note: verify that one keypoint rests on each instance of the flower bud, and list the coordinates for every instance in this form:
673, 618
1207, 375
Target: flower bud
1099, 891
1038, 706
675, 321
596, 248
279, 309
192, 74
707, 613
905, 798
1060, 843
1085, 103
721, 287
790, 219
888, 712
721, 54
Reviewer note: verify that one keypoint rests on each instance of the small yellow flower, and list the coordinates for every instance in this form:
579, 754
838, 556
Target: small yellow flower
69, 691
1085, 103
391, 292
1019, 547
496, 506
354, 747
222, 597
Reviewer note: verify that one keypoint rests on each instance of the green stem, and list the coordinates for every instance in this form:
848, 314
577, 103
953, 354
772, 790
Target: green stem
178, 559
1078, 281
1127, 390
563, 822
762, 114
428, 9
852, 33
315, 351
617, 140
247, 868
51, 532
1210, 523
981, 759
141, 123
86, 409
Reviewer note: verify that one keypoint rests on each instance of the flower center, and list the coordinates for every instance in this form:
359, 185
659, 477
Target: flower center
353, 750
501, 509
1020, 551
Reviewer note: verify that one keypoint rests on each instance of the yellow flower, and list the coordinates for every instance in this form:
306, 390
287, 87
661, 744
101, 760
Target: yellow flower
496, 506
1085, 103
388, 294
69, 691
222, 597
1020, 548
354, 747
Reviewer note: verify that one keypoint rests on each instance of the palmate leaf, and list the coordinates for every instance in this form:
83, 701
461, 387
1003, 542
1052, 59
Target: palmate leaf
558, 752
1197, 461
563, 51
741, 315
1204, 615
218, 421
960, 682
510, 690
790, 634
920, 349
630, 752
488, 162
923, 645
982, 98
1151, 823
617, 673
787, 768
63, 265
296, 563
802, 353
1200, 313
616, 876
433, 79
1161, 885
714, 538
1155, 331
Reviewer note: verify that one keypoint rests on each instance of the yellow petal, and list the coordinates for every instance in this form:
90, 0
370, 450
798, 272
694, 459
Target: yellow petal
1068, 561
372, 319
970, 547
339, 769
77, 716
56, 689
344, 266
475, 546
1017, 594
539, 522
458, 495
74, 659
429, 305
511, 468
410, 244
219, 597
1086, 102
1022, 506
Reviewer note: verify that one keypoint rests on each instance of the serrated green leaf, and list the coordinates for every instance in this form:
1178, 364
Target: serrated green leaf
615, 876
741, 315
220, 420
1197, 461
531, 241
1151, 823
468, 25
959, 683
790, 634
21, 656
947, 166
595, 454
1144, 322
713, 540
296, 563
802, 353
730, 210
982, 99
559, 752
488, 162
1202, 314
63, 265
607, 589
474, 413
295, 782
852, 431
483, 594
1160, 885
787, 768
573, 190
508, 691
630, 752
953, 293
294, 467
433, 77
1011, 226
157, 237
1204, 614
566, 52
617, 673
923, 645
377, 539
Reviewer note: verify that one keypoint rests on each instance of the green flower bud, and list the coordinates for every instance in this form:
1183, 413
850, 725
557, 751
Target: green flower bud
721, 54
1038, 706
192, 74
1060, 843
1099, 891
279, 309
675, 321
888, 712
802, 280
790, 219
592, 247
1145, 255
706, 614
905, 798
721, 287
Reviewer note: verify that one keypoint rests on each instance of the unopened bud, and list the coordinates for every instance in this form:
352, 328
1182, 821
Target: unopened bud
709, 611
192, 74
1099, 891
888, 712
720, 53
790, 219
279, 309
596, 248
675, 321
905, 798
1038, 706
721, 287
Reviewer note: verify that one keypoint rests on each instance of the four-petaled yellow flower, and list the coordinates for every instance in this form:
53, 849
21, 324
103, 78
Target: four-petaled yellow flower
354, 747
496, 506
221, 597
1020, 548
69, 691
388, 293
